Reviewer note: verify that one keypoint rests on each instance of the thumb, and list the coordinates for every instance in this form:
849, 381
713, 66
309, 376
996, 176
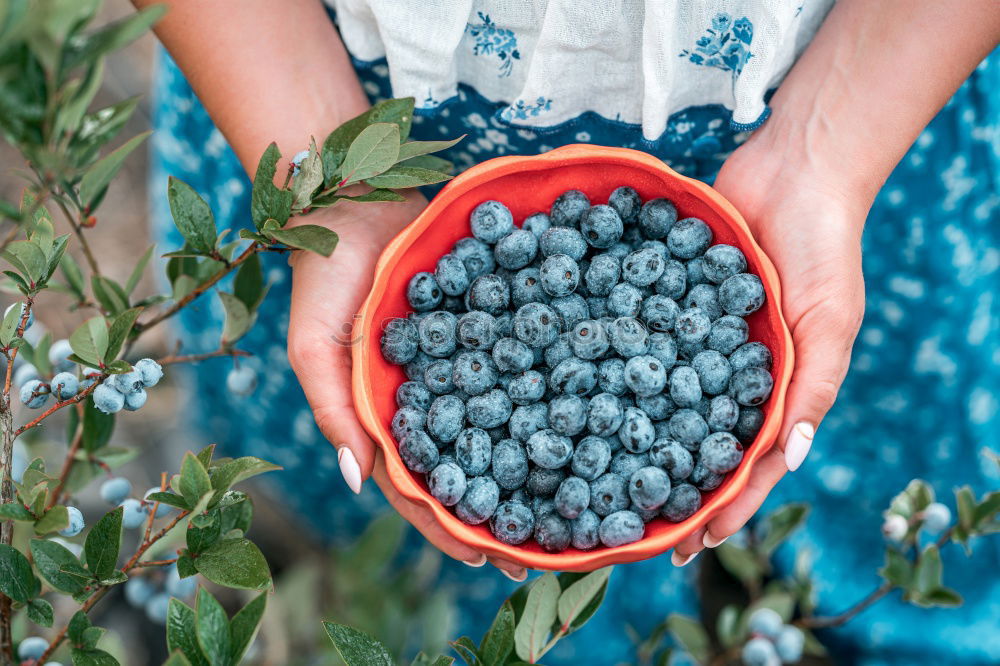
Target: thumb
823, 338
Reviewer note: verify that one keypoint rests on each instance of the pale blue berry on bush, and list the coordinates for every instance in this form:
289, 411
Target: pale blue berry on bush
895, 527
447, 483
765, 622
135, 400
25, 372
482, 495
242, 380
150, 370
90, 377
59, 354
32, 647
35, 393
157, 607
620, 528
789, 644
513, 523
936, 517
128, 382
76, 522
490, 221
138, 590
115, 490
134, 514
759, 652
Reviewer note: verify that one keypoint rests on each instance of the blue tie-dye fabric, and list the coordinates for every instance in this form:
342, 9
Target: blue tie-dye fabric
920, 400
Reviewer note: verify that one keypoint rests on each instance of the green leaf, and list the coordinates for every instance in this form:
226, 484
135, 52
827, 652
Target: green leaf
927, 575
915, 498
267, 201
309, 177
205, 455
169, 499
90, 341
357, 648
986, 509
26, 258
413, 149
243, 627
109, 294
59, 566
780, 524
398, 111
897, 570
77, 627
53, 520
97, 178
73, 274
177, 658
235, 563
499, 639
367, 197
536, 620
195, 481
727, 627
577, 597
400, 177
467, 650
119, 332
104, 541
248, 285
40, 612
92, 657
97, 427
16, 578
372, 152
203, 532
212, 629
192, 216
238, 319
432, 162
741, 563
942, 596
238, 469
111, 37
310, 237
140, 266
15, 511
56, 255
181, 633
691, 635
8, 329
185, 566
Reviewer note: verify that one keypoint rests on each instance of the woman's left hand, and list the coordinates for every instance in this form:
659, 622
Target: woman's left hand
811, 228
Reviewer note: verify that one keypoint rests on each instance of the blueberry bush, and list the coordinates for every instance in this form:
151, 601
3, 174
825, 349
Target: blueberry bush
51, 64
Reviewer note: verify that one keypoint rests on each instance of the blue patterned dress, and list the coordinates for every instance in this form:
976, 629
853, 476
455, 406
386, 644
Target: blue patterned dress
921, 397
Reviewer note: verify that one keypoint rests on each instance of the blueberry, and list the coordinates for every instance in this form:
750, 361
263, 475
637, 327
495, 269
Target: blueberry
543, 482
741, 294
723, 413
591, 457
688, 428
138, 591
548, 449
705, 479
563, 240
602, 274
489, 293
489, 410
527, 420
552, 532
558, 351
437, 334
645, 375
625, 464
476, 255
597, 306
572, 309
559, 275
509, 464
721, 452
447, 483
516, 250
789, 644
567, 415
473, 450
490, 221
115, 490
625, 300
759, 652
128, 382
406, 420
482, 495
685, 386
643, 267
692, 326
672, 457
713, 371
727, 333
585, 530
626, 203
418, 451
439, 376
636, 433
936, 517
35, 393
657, 406
510, 355
537, 223
76, 522
751, 355
695, 269
107, 398
242, 380
683, 502
620, 528
689, 238
662, 347
657, 217
134, 514
589, 340
672, 283
604, 415
608, 494
572, 497
628, 337
722, 262
526, 388
660, 312
423, 292
573, 376
621, 249
32, 647
445, 418
474, 372
512, 523
649, 488
451, 275
25, 372
415, 369
414, 394
706, 298
400, 341
765, 622
568, 208
536, 325
611, 376
751, 386
601, 226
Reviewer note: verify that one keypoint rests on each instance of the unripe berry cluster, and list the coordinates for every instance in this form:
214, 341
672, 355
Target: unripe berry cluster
773, 641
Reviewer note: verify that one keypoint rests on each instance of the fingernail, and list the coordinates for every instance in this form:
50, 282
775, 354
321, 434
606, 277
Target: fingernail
679, 560
797, 446
350, 469
711, 541
519, 578
475, 564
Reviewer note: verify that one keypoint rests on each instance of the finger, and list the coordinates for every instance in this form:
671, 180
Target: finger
515, 572
425, 522
688, 549
765, 475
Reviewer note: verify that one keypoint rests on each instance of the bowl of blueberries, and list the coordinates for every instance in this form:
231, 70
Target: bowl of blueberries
573, 359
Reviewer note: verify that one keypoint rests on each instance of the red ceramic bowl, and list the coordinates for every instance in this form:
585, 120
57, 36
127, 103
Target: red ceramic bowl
527, 185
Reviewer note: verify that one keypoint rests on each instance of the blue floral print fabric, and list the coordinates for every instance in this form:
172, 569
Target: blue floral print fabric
921, 398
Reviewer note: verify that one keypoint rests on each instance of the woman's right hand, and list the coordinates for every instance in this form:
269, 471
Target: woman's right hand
327, 292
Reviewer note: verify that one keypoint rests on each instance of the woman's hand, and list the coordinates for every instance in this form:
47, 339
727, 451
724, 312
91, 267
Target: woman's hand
811, 230
326, 294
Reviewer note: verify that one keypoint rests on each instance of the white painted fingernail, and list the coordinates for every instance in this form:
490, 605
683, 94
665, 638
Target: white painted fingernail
475, 564
711, 541
679, 560
350, 469
797, 446
518, 578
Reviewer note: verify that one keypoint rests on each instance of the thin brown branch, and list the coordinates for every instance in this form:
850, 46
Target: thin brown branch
155, 563
68, 461
194, 358
837, 620
84, 245
79, 397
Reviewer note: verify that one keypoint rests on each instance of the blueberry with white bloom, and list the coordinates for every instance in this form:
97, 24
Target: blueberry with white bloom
513, 523
451, 275
32, 647
936, 517
115, 490
689, 238
59, 354
476, 255
178, 587
490, 221
789, 644
672, 282
423, 292
242, 380
135, 400
134, 513
620, 528
722, 262
657, 217
563, 240
76, 522
35, 393
24, 373
568, 208
627, 203
895, 527
537, 223
741, 294
759, 652
601, 226
138, 590
128, 382
765, 622
489, 293
157, 608
516, 250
